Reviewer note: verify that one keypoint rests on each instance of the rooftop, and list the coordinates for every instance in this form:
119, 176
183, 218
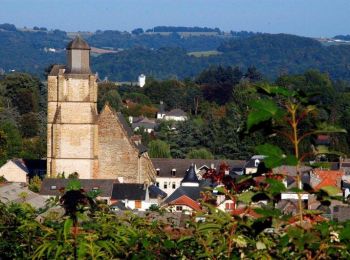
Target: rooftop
78, 43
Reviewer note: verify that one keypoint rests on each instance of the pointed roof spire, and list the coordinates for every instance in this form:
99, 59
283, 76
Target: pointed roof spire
190, 178
78, 43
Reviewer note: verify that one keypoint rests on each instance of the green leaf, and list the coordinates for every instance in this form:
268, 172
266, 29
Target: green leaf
67, 228
276, 187
260, 245
208, 226
290, 160
345, 232
263, 110
325, 128
275, 156
268, 212
277, 90
74, 185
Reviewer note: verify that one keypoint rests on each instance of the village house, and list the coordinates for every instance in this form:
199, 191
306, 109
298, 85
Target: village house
52, 187
170, 172
22, 170
185, 198
174, 114
134, 196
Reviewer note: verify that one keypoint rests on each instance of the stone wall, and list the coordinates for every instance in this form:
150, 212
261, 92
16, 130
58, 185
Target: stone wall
72, 129
118, 156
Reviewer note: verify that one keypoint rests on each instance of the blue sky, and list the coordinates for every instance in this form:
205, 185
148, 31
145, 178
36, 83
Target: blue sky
301, 17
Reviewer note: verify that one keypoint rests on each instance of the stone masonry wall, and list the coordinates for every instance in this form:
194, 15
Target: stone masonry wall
118, 157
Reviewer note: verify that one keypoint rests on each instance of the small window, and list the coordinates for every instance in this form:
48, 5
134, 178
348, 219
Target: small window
138, 204
174, 185
53, 187
257, 161
165, 186
158, 171
336, 209
95, 188
229, 206
173, 172
178, 208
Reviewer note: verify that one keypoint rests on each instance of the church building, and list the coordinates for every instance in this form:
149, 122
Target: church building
79, 139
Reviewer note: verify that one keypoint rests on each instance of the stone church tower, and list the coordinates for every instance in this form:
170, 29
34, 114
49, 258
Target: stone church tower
72, 115
96, 146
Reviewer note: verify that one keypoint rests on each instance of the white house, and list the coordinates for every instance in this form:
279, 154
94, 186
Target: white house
142, 80
253, 163
185, 198
136, 196
21, 170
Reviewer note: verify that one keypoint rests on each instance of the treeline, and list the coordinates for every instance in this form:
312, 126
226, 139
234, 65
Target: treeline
182, 29
217, 103
273, 55
23, 102
167, 56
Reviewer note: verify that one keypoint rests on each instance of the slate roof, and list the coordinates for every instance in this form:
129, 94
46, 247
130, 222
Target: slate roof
105, 186
142, 149
125, 124
144, 122
31, 167
55, 69
166, 165
190, 176
290, 170
10, 192
120, 205
78, 43
190, 192
175, 112
135, 191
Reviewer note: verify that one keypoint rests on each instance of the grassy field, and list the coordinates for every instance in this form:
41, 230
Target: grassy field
199, 54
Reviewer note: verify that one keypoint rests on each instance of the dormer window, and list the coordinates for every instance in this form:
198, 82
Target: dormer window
256, 163
158, 171
53, 187
173, 172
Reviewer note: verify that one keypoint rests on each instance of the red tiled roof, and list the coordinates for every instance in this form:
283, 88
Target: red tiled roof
187, 201
323, 138
308, 218
328, 178
245, 212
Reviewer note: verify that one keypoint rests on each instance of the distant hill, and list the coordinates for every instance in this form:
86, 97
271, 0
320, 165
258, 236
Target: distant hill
122, 56
271, 54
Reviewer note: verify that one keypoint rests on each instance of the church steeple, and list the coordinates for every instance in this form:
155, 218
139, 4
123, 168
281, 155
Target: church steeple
78, 56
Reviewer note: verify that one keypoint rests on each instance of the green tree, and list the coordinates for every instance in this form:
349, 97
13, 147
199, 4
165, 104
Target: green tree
200, 153
158, 149
35, 184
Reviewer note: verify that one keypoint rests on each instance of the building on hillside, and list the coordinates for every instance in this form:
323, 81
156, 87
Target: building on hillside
144, 123
142, 80
135, 196
185, 198
170, 172
52, 187
174, 114
96, 146
253, 163
22, 170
